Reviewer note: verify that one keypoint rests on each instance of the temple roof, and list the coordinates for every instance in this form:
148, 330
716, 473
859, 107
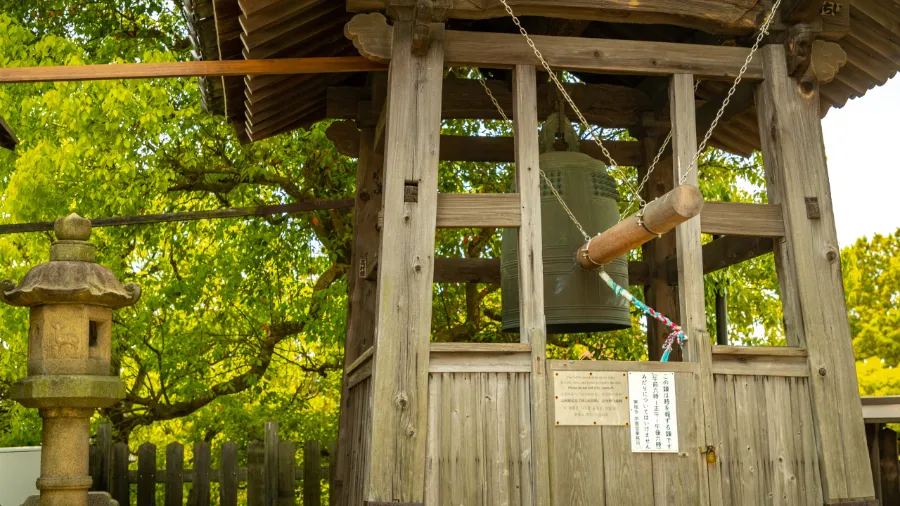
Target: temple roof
264, 106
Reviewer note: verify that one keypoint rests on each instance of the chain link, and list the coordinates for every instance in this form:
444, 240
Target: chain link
763, 31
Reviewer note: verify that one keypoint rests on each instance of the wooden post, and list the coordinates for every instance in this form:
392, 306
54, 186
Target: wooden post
531, 269
889, 466
312, 474
810, 275
360, 334
256, 474
174, 474
271, 462
201, 479
119, 488
659, 216
658, 293
692, 308
228, 475
286, 476
405, 270
100, 453
146, 485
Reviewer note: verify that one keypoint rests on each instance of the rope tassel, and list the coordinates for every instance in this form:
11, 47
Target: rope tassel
676, 335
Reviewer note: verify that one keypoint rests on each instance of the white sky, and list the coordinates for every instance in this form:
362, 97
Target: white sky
862, 142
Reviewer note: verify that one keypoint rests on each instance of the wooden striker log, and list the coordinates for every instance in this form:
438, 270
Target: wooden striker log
660, 216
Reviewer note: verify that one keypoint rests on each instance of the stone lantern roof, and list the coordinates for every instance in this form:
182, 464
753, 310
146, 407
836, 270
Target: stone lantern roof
71, 276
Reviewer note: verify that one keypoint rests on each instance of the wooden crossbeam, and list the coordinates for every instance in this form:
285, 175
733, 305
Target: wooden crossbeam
602, 104
715, 16
372, 37
730, 218
458, 148
724, 252
283, 66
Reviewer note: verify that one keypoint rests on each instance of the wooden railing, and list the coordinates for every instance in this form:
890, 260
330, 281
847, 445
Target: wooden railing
270, 476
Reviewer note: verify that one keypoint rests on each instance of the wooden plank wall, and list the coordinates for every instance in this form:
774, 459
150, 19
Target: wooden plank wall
767, 448
479, 439
594, 466
356, 450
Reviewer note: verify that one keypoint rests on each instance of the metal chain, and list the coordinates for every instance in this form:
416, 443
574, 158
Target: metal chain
565, 94
543, 174
763, 31
662, 149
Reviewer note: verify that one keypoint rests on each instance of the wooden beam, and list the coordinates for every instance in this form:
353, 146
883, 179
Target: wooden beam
881, 409
724, 252
216, 68
487, 270
531, 272
732, 218
657, 292
146, 219
372, 37
810, 275
458, 148
691, 294
474, 210
760, 361
602, 104
658, 217
714, 16
397, 453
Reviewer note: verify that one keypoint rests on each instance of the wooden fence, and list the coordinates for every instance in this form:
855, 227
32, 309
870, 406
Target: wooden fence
271, 476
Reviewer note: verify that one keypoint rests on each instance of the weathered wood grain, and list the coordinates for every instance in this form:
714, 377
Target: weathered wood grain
405, 272
531, 270
795, 168
710, 15
731, 218
692, 308
370, 34
211, 68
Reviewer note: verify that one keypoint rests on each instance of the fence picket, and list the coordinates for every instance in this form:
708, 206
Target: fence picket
272, 473
174, 474
201, 482
146, 483
99, 455
256, 474
286, 475
228, 477
119, 488
271, 442
312, 474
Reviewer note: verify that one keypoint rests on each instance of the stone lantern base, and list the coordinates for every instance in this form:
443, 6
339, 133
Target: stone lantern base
94, 499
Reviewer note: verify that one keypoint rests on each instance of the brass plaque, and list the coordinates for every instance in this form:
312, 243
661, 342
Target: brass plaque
590, 398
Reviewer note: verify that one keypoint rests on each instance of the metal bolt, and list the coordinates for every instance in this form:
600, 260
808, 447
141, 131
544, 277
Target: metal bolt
822, 371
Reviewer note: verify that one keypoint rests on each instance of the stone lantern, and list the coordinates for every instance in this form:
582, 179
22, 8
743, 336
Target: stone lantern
69, 342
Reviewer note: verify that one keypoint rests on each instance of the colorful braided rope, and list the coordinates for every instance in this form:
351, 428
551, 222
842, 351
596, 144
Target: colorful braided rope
676, 335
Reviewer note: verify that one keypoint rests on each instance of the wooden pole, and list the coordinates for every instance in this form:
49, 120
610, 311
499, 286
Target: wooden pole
216, 68
239, 212
659, 216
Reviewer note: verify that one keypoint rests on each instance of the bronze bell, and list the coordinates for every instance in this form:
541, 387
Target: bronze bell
575, 300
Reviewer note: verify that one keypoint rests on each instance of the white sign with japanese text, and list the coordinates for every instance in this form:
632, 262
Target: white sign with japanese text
654, 421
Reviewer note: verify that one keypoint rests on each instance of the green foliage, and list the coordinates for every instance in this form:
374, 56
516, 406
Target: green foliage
241, 320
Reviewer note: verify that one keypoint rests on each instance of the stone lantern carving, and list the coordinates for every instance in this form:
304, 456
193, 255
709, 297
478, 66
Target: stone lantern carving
69, 342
